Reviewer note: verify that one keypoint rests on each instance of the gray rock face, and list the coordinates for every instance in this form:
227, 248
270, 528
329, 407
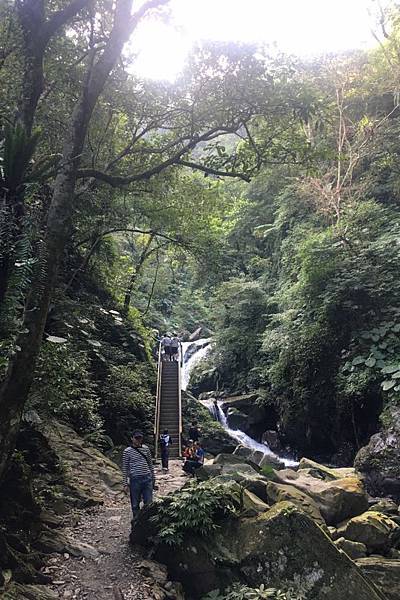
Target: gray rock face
379, 461
237, 419
272, 439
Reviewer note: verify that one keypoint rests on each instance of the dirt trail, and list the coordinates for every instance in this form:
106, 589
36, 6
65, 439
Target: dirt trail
110, 569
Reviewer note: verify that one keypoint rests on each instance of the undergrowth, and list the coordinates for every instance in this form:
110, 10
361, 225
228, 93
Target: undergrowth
198, 508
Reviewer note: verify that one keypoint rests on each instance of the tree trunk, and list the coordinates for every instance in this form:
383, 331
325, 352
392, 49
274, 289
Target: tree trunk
15, 388
136, 271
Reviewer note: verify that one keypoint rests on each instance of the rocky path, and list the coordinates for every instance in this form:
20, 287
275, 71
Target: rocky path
109, 569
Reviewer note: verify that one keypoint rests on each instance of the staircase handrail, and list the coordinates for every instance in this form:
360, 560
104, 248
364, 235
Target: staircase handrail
158, 403
180, 365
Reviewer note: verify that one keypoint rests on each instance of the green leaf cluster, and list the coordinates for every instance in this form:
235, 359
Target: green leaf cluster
198, 508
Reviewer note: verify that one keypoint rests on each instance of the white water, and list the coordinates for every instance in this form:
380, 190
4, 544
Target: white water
190, 360
242, 438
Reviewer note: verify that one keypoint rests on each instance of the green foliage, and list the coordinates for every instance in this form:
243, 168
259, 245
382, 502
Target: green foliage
198, 508
239, 318
211, 430
63, 387
18, 151
126, 402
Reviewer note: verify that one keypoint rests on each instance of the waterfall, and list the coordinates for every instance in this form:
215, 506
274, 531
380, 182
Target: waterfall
193, 353
242, 438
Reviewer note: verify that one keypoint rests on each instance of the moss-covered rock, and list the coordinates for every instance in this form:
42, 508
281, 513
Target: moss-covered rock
337, 500
277, 492
86, 471
384, 572
373, 529
323, 472
282, 547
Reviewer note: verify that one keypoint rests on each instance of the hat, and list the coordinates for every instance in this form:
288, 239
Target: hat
137, 434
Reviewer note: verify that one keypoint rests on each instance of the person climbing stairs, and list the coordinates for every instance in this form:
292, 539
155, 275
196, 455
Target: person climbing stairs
168, 407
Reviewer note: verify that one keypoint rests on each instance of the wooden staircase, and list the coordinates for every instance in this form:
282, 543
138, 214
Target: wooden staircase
168, 405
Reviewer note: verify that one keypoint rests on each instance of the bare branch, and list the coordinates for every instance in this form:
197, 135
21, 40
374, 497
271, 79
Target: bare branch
61, 17
211, 171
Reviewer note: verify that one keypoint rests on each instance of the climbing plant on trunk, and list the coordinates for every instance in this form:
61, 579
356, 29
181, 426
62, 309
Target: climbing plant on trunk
37, 32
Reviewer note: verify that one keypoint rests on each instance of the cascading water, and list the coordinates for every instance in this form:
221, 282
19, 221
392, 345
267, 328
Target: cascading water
242, 438
193, 353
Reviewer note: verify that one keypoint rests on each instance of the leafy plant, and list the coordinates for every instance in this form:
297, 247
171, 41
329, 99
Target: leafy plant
198, 508
63, 387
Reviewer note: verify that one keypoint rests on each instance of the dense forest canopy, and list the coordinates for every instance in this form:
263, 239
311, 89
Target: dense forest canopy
257, 196
253, 201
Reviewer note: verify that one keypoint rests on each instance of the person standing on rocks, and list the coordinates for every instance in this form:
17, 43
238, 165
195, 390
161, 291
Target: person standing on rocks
138, 472
165, 442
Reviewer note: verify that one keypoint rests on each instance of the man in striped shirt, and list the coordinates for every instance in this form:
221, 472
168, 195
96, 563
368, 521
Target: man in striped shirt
138, 472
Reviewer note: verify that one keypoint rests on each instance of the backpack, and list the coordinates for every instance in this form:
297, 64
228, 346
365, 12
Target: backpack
164, 440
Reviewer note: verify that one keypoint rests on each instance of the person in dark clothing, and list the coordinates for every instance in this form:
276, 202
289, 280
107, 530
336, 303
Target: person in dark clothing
165, 442
194, 432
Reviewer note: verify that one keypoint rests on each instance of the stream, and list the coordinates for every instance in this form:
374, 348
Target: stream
193, 353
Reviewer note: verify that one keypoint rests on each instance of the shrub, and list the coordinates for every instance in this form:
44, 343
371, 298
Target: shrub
63, 386
126, 401
197, 508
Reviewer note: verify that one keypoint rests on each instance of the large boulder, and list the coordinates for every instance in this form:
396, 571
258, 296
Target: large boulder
379, 461
277, 492
337, 500
229, 459
373, 529
242, 451
237, 419
385, 506
323, 472
240, 469
271, 438
281, 547
384, 572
